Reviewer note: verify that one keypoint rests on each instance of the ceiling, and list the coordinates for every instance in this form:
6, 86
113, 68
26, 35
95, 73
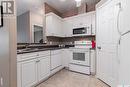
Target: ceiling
60, 5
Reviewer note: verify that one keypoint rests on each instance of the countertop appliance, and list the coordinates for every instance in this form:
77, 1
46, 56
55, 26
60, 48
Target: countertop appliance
84, 31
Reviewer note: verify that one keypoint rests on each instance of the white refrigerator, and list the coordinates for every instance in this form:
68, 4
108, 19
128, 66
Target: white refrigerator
124, 42
113, 42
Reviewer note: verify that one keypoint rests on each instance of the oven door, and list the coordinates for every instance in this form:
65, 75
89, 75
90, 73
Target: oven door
80, 57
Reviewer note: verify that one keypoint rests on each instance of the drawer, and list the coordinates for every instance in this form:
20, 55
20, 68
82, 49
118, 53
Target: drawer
28, 56
79, 68
34, 55
56, 52
43, 53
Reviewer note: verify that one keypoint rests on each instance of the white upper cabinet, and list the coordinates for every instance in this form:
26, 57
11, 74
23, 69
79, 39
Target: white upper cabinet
67, 28
53, 25
82, 20
93, 25
56, 26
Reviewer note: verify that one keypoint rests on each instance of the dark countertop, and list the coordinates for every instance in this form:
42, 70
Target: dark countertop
37, 48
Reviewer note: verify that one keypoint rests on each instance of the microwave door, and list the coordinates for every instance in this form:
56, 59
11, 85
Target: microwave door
79, 31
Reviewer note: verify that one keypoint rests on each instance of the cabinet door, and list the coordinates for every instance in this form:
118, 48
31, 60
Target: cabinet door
56, 61
53, 25
49, 29
66, 58
57, 26
67, 29
43, 67
82, 21
93, 25
28, 70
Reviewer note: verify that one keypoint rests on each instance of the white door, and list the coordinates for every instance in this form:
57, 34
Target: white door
124, 47
28, 73
107, 41
43, 67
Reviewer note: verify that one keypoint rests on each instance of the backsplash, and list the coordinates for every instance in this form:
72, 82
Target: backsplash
67, 40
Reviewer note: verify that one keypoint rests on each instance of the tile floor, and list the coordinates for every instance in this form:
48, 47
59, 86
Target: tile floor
66, 78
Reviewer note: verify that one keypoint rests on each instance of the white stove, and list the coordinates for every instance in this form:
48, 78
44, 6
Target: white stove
80, 60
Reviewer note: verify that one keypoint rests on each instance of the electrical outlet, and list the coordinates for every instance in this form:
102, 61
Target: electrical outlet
1, 82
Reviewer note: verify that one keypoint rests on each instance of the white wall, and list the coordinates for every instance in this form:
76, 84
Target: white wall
23, 28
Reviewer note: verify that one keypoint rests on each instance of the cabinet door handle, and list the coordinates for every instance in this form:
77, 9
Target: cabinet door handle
37, 61
99, 47
1, 8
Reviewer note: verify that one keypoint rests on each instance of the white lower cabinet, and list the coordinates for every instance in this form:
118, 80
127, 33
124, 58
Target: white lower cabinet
34, 69
43, 68
66, 55
27, 73
56, 61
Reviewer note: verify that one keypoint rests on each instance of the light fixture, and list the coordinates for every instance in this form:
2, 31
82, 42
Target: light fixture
78, 0
78, 3
62, 0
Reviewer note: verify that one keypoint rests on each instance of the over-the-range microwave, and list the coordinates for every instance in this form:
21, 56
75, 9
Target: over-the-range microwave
82, 31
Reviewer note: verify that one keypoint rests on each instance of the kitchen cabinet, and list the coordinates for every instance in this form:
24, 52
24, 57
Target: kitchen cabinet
32, 68
53, 25
93, 25
67, 28
27, 73
43, 67
66, 56
56, 60
82, 20
59, 27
